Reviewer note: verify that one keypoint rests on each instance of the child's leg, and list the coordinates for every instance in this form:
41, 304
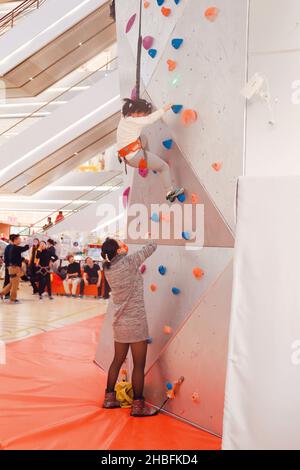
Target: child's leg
156, 164
121, 350
139, 353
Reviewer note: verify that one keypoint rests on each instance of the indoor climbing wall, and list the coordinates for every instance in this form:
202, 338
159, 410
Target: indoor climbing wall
194, 56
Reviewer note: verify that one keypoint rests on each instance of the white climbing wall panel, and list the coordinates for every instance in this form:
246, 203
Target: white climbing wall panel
274, 52
211, 67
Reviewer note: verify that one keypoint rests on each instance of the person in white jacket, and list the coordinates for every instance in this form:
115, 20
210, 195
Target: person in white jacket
137, 114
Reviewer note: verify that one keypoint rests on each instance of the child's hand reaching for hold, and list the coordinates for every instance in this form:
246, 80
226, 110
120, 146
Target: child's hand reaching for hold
167, 107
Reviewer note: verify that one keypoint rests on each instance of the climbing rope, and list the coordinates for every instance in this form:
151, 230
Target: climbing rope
139, 56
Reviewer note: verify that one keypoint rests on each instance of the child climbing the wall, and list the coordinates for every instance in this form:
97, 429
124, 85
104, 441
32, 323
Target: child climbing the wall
137, 114
130, 327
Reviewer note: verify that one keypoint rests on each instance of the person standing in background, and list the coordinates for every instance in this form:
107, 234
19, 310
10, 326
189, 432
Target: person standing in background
32, 264
59, 217
6, 262
14, 269
44, 259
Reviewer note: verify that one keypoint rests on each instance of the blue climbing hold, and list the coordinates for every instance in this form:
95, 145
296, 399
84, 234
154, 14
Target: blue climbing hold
177, 2
152, 53
160, 2
155, 217
176, 108
176, 43
186, 235
175, 290
162, 270
169, 386
168, 144
149, 340
181, 197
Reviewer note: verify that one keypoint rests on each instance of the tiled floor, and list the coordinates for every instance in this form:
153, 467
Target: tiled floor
33, 316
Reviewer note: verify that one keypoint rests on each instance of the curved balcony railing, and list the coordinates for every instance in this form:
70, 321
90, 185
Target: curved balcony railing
9, 20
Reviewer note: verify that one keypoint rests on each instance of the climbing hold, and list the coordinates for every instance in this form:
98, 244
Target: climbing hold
153, 287
143, 268
181, 197
166, 11
217, 166
166, 217
160, 2
211, 13
143, 172
155, 217
198, 273
143, 164
125, 197
171, 65
146, 4
130, 23
194, 198
186, 235
196, 397
176, 108
168, 144
152, 53
154, 171
148, 42
189, 116
162, 270
167, 330
169, 386
149, 340
177, 2
177, 42
175, 290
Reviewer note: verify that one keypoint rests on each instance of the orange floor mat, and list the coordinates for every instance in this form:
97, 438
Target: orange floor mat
51, 394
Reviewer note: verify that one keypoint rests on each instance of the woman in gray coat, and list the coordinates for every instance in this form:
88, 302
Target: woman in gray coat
130, 325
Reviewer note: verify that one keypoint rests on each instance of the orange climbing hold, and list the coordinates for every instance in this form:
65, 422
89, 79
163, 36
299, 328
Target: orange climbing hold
146, 4
167, 330
194, 198
188, 116
211, 13
166, 11
198, 273
166, 217
143, 164
153, 287
171, 65
217, 166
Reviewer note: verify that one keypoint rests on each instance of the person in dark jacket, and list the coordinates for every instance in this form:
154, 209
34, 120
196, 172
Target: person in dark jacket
44, 259
14, 269
73, 277
32, 265
6, 262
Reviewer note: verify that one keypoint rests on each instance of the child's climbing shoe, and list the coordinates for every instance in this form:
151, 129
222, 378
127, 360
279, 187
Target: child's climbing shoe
140, 410
172, 195
110, 400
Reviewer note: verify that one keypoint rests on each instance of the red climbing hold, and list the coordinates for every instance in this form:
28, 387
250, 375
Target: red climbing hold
217, 166
188, 116
148, 42
171, 65
130, 23
143, 268
125, 197
166, 11
211, 13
